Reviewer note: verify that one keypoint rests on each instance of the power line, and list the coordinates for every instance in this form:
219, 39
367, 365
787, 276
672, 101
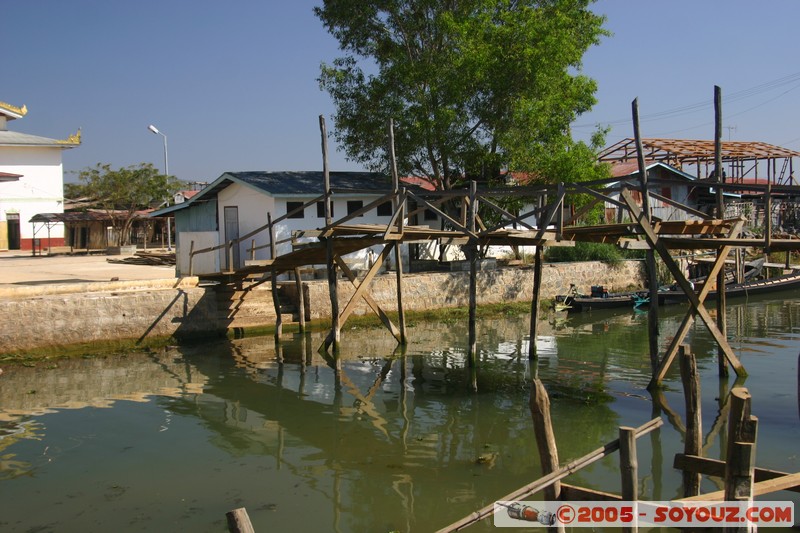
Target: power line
698, 106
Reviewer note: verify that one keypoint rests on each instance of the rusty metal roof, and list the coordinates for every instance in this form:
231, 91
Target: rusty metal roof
680, 150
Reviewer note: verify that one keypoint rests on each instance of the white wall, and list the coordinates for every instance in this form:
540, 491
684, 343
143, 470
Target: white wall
253, 207
203, 263
39, 190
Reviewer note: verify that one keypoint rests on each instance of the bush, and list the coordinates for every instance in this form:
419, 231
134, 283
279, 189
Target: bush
590, 251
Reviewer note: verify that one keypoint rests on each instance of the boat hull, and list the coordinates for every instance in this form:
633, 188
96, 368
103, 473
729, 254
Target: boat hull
764, 286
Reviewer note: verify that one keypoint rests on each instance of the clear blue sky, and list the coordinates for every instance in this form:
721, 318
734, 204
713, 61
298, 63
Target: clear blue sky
233, 84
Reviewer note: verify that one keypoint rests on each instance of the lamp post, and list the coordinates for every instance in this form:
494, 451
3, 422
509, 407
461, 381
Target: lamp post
166, 172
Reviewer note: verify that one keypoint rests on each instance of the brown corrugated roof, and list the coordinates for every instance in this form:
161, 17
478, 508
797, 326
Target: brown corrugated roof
682, 150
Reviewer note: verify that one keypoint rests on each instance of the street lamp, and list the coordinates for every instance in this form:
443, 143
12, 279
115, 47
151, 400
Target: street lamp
166, 172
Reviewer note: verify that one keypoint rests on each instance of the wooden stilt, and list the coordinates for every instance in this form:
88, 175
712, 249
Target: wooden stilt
720, 200
741, 456
692, 444
356, 298
301, 300
401, 314
545, 437
535, 300
472, 255
628, 468
397, 255
335, 333
652, 274
276, 300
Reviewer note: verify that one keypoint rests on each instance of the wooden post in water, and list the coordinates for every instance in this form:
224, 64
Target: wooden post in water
692, 444
276, 299
652, 275
629, 468
401, 318
741, 453
535, 300
545, 438
332, 289
301, 300
239, 521
722, 364
472, 254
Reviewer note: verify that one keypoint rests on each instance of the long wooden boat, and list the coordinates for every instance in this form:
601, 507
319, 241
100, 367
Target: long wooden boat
750, 288
599, 299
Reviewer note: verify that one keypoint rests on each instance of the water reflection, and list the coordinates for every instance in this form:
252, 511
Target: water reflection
383, 440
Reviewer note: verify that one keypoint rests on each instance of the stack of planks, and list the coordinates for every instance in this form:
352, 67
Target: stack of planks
156, 258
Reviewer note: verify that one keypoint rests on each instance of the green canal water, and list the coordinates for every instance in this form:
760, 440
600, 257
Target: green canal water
393, 441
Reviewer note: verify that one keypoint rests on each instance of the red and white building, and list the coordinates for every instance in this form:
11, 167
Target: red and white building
31, 182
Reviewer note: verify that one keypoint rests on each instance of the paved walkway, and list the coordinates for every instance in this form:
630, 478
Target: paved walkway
21, 268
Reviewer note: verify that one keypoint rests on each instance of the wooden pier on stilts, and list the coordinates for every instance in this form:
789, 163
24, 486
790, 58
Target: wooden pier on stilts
636, 227
465, 228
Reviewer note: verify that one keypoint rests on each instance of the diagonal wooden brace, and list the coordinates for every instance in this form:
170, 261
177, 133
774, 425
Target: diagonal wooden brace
696, 305
361, 293
677, 340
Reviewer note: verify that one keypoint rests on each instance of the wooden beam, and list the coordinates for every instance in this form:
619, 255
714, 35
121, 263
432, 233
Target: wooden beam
787, 482
584, 494
716, 468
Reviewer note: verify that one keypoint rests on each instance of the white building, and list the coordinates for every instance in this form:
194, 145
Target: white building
31, 182
237, 204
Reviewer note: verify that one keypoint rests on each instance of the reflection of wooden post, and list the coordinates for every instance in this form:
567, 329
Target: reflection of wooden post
741, 456
628, 467
692, 444
535, 299
545, 438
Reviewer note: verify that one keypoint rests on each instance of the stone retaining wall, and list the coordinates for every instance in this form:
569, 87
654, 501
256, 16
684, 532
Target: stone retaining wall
58, 315
426, 291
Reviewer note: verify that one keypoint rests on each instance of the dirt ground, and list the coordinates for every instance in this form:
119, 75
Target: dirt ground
21, 268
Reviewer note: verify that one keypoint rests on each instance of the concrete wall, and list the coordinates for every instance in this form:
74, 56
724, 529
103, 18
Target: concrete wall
58, 315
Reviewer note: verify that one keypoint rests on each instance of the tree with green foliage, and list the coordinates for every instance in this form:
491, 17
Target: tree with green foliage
475, 87
122, 192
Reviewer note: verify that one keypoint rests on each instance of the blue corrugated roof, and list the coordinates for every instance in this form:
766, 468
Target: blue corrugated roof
289, 183
311, 182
